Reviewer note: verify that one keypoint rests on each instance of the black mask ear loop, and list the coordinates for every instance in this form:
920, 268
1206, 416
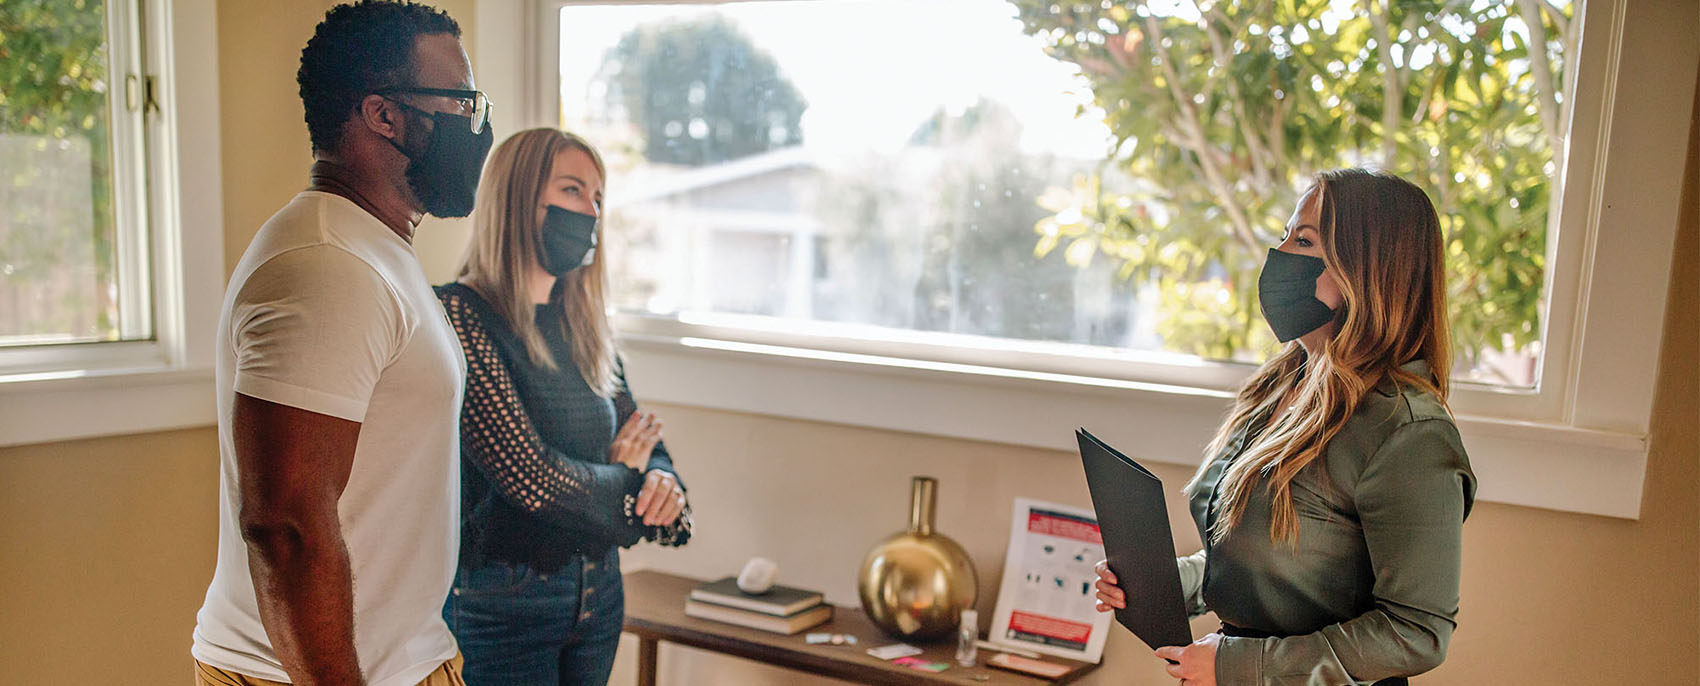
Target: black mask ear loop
410, 110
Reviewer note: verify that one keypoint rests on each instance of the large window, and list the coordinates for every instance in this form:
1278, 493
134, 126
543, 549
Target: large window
998, 220
111, 216
1066, 177
74, 258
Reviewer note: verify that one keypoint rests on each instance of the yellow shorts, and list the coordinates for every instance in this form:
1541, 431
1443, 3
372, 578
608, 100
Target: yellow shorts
208, 675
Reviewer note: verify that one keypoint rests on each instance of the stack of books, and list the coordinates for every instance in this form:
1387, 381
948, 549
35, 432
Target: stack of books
781, 610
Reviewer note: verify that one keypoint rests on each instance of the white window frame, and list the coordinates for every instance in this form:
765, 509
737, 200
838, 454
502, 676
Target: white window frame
64, 392
1578, 443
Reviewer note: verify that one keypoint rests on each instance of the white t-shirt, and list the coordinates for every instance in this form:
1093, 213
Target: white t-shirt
329, 311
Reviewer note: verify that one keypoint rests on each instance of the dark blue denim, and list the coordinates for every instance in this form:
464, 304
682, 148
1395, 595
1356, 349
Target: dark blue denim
519, 627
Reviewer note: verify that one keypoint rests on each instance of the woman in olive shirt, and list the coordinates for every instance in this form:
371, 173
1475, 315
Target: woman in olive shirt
1332, 499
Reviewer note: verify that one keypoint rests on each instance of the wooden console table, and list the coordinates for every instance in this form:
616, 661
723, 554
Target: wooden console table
655, 612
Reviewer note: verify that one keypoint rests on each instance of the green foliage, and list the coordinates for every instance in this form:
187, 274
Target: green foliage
1222, 118
702, 93
53, 87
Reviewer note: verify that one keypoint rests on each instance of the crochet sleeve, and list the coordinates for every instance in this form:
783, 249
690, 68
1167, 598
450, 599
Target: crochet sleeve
499, 439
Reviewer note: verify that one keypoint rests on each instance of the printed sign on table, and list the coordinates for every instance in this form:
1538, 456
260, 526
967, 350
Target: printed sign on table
1045, 603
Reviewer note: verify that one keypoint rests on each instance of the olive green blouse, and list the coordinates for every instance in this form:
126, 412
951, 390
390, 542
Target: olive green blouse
1370, 588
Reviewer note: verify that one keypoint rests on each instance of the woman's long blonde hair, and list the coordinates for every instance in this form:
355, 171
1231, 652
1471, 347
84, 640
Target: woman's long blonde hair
1381, 237
506, 241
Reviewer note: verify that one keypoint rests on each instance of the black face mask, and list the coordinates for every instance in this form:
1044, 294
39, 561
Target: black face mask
569, 240
444, 176
1287, 292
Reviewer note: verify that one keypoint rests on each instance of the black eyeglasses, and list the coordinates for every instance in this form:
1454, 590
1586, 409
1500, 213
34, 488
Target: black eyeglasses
475, 101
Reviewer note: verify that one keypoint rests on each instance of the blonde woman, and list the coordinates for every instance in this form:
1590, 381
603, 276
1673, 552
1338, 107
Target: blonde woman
559, 469
1332, 500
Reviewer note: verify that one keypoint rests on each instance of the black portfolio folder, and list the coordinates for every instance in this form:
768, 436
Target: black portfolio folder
1137, 543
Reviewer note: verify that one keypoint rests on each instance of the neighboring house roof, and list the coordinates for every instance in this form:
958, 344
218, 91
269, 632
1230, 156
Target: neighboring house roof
698, 178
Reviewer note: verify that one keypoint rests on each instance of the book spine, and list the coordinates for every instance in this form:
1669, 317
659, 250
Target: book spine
761, 622
755, 605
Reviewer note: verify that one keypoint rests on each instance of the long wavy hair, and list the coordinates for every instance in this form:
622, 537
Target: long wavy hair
506, 240
1381, 239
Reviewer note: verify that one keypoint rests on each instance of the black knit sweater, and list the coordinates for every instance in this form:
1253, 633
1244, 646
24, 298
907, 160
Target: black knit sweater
536, 482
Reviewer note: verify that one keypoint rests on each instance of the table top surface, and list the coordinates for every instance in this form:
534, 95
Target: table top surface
655, 609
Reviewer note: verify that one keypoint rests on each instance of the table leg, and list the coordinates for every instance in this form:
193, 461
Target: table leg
646, 661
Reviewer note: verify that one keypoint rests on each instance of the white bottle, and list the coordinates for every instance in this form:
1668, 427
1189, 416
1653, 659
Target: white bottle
966, 635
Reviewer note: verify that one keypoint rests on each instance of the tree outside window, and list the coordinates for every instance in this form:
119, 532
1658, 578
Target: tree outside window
928, 188
1227, 107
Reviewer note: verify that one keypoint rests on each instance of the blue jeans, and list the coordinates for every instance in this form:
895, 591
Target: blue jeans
519, 627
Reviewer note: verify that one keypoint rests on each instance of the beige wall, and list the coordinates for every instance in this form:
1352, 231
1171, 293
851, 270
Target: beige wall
109, 543
108, 546
266, 154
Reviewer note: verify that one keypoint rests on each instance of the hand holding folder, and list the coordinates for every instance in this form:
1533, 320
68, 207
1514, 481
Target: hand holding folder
1135, 525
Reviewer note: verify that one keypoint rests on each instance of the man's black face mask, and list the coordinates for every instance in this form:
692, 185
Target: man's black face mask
444, 171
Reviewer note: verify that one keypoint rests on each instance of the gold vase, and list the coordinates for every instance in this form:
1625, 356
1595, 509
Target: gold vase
916, 583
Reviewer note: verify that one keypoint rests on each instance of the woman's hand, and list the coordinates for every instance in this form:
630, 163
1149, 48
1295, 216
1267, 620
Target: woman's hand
635, 440
661, 500
1110, 596
1197, 662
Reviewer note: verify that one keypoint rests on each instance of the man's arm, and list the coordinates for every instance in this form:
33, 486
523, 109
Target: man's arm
292, 466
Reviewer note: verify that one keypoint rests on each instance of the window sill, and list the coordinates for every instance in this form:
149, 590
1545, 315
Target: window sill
71, 405
1548, 466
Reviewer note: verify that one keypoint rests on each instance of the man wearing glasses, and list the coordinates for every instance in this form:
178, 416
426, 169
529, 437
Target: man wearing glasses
339, 380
